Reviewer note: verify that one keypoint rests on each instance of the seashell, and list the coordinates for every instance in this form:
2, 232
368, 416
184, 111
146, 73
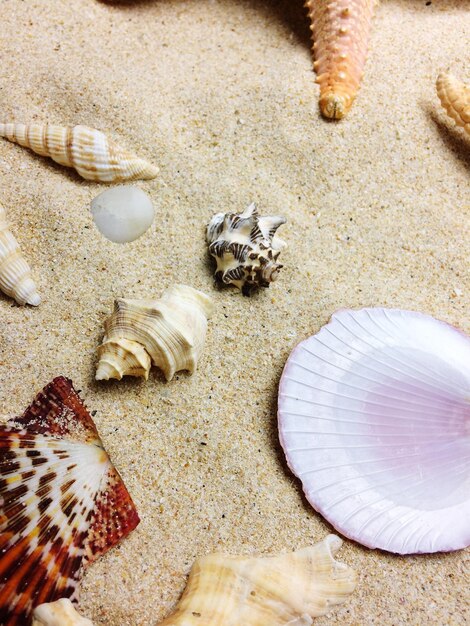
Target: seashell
373, 419
88, 151
455, 98
15, 273
62, 502
122, 214
58, 613
245, 247
287, 589
341, 32
168, 333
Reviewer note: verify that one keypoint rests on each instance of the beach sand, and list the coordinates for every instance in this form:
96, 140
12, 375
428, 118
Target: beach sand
221, 95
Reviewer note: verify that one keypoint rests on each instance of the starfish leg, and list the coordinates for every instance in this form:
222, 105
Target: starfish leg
340, 31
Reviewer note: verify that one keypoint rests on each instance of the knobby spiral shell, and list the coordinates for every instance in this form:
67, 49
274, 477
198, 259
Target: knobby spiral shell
246, 248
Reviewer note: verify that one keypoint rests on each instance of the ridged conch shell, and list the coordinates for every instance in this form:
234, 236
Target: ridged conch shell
271, 591
455, 98
88, 151
15, 273
340, 31
62, 502
168, 333
246, 248
374, 420
59, 613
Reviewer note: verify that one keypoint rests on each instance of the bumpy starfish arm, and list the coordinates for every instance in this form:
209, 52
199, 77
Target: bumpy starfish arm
455, 98
340, 30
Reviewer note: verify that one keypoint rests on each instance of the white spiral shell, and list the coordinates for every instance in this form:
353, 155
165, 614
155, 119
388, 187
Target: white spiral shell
87, 150
15, 274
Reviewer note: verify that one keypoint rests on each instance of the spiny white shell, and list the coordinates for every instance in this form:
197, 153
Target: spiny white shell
374, 419
169, 332
245, 247
59, 613
15, 273
123, 213
87, 150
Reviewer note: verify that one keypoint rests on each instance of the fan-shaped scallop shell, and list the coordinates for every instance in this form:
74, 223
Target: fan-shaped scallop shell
374, 420
246, 248
169, 332
62, 503
267, 591
87, 150
15, 274
455, 98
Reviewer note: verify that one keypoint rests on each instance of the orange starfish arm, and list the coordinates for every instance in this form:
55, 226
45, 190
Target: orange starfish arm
340, 31
455, 98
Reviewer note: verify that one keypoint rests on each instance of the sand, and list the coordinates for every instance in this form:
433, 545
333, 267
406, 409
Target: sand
221, 94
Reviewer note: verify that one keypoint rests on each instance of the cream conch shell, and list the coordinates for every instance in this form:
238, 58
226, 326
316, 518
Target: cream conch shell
455, 98
169, 333
88, 151
15, 273
59, 613
287, 589
246, 248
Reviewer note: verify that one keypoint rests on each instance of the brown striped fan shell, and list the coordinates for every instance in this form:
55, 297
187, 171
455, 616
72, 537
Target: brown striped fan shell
87, 150
63, 504
246, 248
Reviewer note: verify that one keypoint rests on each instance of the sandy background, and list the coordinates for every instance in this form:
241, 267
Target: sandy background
221, 94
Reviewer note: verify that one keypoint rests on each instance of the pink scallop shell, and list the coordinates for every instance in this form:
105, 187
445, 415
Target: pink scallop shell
374, 418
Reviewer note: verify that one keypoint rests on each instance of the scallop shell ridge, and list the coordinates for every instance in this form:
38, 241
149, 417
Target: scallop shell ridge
373, 419
455, 98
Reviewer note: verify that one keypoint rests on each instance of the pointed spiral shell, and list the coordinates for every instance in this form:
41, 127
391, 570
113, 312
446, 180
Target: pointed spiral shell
15, 273
88, 151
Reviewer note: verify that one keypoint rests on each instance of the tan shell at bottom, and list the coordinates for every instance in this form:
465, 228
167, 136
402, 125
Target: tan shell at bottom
59, 613
272, 591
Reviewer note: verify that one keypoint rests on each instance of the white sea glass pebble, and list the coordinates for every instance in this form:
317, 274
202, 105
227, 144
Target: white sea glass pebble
122, 214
